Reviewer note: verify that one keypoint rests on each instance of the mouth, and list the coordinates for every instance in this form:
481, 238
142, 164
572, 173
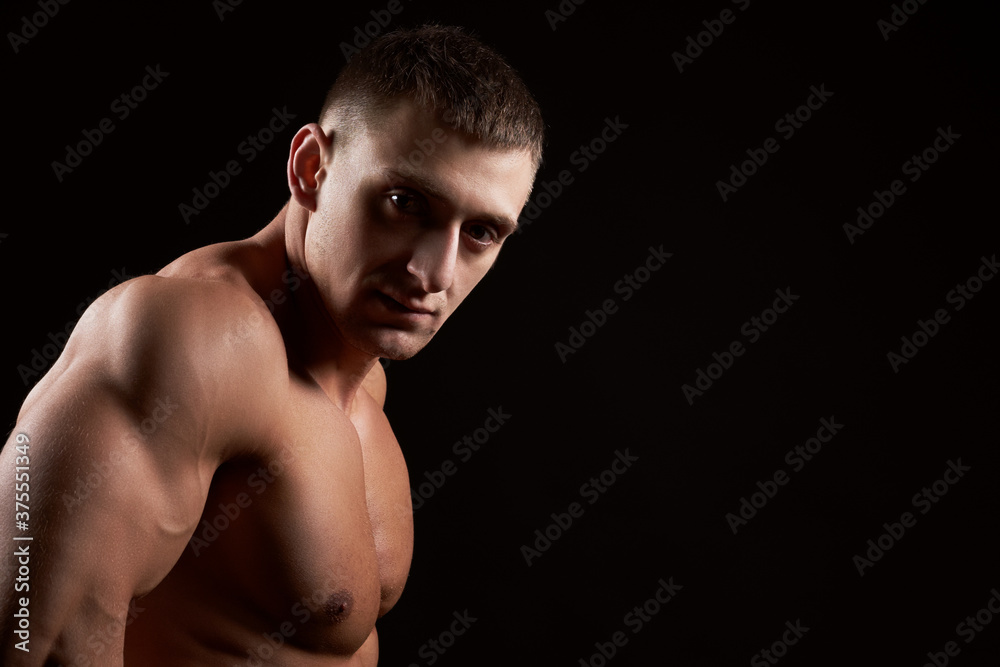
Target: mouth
404, 306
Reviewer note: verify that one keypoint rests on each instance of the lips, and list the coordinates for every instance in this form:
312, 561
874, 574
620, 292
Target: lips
404, 305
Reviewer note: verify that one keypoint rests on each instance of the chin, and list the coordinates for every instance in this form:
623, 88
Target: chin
395, 345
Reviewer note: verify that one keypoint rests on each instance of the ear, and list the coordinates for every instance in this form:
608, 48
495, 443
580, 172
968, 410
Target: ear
309, 153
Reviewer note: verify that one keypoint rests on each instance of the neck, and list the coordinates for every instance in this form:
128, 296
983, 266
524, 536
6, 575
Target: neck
315, 347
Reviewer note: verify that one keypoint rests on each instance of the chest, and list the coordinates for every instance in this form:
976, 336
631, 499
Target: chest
324, 535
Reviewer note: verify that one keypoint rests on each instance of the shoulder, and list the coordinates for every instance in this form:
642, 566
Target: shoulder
210, 343
212, 321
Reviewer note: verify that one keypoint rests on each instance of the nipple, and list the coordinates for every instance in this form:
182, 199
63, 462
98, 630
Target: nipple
338, 606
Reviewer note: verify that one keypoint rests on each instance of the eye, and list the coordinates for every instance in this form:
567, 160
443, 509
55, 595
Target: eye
408, 202
482, 235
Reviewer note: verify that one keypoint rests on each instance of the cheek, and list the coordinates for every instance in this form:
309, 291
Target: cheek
346, 259
334, 234
353, 223
326, 260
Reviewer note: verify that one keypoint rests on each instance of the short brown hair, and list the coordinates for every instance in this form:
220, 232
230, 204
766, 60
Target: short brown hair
441, 68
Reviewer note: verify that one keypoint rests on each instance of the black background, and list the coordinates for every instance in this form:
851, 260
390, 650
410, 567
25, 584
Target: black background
655, 185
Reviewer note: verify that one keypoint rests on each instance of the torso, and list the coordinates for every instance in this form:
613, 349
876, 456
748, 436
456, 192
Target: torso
305, 540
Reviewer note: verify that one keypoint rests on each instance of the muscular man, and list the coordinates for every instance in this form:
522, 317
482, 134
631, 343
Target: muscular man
212, 479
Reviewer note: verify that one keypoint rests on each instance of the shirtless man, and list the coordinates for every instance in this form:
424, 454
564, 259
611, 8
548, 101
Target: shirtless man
212, 478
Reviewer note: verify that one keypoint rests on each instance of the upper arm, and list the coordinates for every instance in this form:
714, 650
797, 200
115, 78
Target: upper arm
123, 443
107, 519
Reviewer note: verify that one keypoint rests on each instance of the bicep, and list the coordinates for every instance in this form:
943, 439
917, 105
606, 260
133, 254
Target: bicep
109, 509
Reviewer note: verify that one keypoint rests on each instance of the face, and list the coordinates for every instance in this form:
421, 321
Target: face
409, 216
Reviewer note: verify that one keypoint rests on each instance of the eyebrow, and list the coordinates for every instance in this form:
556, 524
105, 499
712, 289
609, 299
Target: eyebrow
431, 189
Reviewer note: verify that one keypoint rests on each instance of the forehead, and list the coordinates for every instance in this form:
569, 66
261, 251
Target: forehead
411, 142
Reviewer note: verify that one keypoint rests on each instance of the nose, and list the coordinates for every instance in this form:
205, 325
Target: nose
434, 257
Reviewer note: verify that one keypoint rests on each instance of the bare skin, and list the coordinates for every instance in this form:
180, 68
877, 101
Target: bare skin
214, 483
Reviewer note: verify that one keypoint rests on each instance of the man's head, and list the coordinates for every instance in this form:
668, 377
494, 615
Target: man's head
425, 154
468, 85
